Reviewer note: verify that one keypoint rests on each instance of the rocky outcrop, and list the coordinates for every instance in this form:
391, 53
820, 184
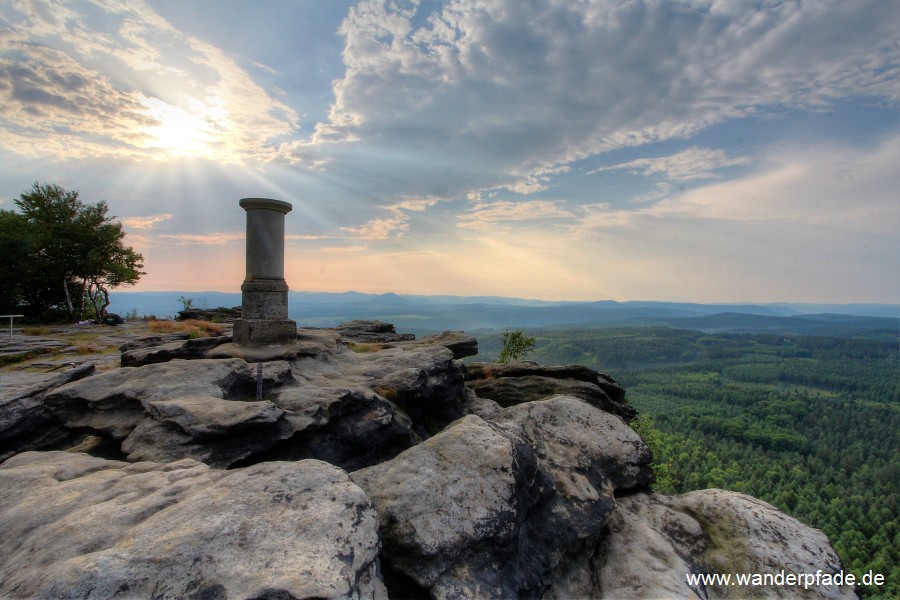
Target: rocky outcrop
488, 481
75, 526
351, 409
491, 508
525, 381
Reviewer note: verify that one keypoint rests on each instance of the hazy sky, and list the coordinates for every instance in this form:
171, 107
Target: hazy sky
699, 150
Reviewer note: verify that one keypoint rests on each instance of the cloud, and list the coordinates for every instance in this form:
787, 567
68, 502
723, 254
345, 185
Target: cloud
497, 92
127, 83
687, 165
814, 222
380, 229
837, 186
393, 226
487, 216
207, 239
342, 249
148, 222
66, 107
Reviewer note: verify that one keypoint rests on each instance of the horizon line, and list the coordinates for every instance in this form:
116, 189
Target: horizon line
463, 296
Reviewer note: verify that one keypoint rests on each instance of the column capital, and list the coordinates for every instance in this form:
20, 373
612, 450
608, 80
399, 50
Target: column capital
266, 204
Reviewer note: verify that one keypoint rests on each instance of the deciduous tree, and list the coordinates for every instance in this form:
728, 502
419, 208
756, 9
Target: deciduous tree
62, 252
515, 345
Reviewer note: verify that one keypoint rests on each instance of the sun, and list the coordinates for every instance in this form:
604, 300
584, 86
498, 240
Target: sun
179, 132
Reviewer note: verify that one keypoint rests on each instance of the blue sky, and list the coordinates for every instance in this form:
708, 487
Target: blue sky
558, 149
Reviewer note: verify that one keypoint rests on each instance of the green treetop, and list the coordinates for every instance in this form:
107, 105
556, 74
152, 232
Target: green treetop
61, 253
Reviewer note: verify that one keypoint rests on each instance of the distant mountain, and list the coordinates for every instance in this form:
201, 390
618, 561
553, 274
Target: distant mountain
437, 313
386, 301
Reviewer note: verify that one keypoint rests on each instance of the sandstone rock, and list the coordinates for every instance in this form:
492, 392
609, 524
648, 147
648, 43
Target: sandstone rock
483, 407
24, 425
526, 381
585, 449
371, 332
747, 535
460, 343
448, 510
313, 343
350, 409
655, 541
490, 509
75, 526
161, 441
345, 427
220, 314
153, 340
425, 382
203, 416
187, 349
527, 367
24, 346
130, 389
517, 500
650, 550
202, 409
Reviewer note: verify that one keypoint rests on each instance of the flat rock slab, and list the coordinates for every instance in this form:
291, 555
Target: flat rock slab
203, 416
24, 384
164, 352
232, 379
75, 526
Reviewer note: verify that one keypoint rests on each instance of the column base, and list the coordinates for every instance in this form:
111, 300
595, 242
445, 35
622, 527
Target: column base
260, 332
264, 299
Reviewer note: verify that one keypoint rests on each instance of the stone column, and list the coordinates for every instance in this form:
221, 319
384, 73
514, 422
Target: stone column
264, 315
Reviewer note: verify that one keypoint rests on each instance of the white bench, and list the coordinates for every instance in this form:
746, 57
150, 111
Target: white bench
10, 317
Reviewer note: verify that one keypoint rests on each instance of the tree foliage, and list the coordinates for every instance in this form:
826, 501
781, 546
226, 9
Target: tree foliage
515, 345
60, 253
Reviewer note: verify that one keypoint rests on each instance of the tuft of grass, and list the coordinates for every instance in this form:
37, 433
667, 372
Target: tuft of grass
194, 328
87, 349
363, 347
11, 359
36, 331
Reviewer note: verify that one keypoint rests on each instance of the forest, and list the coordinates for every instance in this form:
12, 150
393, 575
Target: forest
810, 424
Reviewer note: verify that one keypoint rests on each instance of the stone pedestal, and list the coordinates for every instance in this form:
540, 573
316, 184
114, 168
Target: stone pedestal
264, 314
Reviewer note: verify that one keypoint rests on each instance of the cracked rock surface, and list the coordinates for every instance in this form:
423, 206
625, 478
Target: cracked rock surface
109, 529
208, 470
